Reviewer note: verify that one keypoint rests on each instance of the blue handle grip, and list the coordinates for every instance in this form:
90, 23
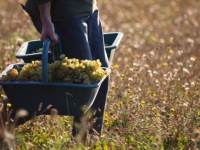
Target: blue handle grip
45, 57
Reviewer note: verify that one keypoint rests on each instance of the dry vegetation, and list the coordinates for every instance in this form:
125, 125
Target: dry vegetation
154, 97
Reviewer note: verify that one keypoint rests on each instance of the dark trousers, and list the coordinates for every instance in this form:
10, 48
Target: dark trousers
82, 38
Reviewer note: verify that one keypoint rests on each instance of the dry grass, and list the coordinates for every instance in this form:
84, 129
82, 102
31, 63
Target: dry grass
154, 96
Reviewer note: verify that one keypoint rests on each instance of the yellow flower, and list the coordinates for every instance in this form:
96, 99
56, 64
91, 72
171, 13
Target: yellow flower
171, 51
8, 104
64, 133
128, 84
164, 98
116, 66
148, 92
2, 96
105, 114
106, 122
154, 108
122, 75
154, 94
172, 109
158, 114
153, 39
120, 103
165, 64
113, 86
129, 91
171, 40
142, 102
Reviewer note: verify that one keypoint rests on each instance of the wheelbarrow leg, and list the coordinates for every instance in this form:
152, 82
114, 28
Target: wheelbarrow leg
79, 132
99, 107
96, 121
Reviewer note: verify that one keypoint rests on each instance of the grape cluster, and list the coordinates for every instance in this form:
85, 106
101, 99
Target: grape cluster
38, 50
64, 70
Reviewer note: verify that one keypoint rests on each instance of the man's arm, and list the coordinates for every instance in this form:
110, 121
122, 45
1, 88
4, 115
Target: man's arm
47, 25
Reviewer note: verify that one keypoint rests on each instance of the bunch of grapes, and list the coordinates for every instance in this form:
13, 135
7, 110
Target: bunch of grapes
11, 75
38, 50
66, 70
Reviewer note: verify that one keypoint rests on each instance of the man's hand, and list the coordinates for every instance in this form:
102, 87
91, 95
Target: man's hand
47, 25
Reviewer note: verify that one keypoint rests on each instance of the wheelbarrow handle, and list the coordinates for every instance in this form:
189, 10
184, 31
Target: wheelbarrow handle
45, 50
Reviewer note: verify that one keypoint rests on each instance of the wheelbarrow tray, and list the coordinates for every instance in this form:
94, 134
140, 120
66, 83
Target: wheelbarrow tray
111, 40
68, 98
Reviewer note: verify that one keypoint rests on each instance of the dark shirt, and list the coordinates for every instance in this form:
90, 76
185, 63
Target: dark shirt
63, 10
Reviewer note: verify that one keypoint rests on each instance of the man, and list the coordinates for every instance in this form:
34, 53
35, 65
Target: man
78, 26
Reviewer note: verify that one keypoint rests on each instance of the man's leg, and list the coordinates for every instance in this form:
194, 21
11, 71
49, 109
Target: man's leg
81, 38
74, 39
97, 47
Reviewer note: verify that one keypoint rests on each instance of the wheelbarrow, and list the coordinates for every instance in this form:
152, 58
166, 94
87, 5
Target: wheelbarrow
69, 99
111, 40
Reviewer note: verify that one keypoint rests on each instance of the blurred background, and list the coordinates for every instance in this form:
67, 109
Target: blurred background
154, 97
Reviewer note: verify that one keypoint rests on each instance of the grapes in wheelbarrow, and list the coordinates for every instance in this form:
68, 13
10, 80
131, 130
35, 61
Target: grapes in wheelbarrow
66, 70
69, 96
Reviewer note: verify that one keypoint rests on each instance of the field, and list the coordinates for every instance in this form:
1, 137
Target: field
154, 97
